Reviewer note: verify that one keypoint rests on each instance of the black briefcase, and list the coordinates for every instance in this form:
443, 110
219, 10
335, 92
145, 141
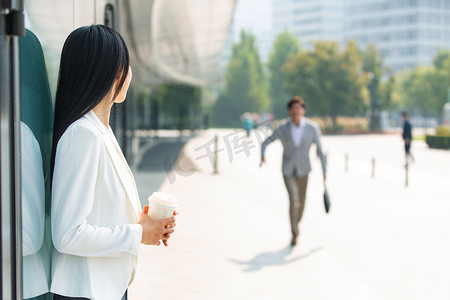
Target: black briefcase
326, 200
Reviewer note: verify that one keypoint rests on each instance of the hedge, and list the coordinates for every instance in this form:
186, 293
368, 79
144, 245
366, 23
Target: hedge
443, 130
438, 141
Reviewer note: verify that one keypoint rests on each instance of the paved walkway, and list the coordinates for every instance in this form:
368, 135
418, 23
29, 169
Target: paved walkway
380, 240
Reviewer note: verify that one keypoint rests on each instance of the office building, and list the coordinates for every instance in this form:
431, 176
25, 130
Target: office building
310, 20
408, 32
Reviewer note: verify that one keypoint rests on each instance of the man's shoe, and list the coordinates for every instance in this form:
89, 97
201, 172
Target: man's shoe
294, 241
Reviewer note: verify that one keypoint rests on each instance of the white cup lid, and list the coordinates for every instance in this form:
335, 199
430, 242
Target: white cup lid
164, 199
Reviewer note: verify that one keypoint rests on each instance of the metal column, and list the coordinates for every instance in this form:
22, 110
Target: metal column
11, 27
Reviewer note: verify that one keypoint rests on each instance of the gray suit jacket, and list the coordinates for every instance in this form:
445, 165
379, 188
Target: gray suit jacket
297, 158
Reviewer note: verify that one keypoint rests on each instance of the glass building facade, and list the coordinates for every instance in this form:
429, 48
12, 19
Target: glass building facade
408, 32
175, 49
309, 20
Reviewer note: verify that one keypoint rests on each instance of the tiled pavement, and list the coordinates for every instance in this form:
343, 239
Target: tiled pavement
380, 240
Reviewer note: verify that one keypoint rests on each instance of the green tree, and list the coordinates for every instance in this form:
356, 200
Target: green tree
328, 79
420, 91
285, 46
387, 90
178, 105
373, 70
425, 89
441, 57
245, 84
442, 80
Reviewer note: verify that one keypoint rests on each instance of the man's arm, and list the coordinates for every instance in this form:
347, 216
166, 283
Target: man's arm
317, 135
270, 139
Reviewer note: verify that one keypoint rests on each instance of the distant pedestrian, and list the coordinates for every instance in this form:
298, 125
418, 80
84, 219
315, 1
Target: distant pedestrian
247, 119
407, 137
296, 135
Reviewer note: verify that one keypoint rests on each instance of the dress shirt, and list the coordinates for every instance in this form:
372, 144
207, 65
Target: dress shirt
297, 132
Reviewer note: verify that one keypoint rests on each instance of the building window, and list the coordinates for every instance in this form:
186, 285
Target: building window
308, 21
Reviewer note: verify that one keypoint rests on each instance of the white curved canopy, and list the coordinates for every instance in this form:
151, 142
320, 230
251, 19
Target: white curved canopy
169, 40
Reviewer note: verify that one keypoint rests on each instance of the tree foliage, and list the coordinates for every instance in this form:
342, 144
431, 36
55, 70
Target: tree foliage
333, 81
425, 88
328, 79
286, 45
245, 84
372, 64
177, 105
420, 91
387, 90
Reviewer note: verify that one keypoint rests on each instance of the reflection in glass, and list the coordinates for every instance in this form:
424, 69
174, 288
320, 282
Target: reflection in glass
35, 254
36, 133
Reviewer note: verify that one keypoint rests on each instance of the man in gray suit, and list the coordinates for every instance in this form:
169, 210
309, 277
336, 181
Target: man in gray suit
296, 135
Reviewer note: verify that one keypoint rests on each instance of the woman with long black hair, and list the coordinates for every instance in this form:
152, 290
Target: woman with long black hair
97, 223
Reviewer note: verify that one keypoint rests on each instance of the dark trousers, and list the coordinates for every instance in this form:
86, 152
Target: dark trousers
59, 297
407, 148
296, 187
41, 297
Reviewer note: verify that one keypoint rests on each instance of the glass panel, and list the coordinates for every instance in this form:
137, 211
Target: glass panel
36, 135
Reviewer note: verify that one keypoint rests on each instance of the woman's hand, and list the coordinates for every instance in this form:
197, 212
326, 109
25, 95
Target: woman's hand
167, 235
155, 230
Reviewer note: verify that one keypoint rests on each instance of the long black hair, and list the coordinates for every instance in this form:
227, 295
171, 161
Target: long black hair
91, 59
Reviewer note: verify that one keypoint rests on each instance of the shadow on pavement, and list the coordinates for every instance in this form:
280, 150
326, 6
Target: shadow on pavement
153, 159
273, 258
156, 163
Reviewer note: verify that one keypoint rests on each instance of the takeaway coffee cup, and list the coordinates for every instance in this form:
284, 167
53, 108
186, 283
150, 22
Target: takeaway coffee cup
162, 205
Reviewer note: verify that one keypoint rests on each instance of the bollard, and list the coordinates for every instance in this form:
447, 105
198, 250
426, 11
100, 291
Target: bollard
373, 167
406, 173
216, 153
346, 162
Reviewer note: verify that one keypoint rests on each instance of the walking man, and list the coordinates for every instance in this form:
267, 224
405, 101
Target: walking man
407, 136
296, 135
